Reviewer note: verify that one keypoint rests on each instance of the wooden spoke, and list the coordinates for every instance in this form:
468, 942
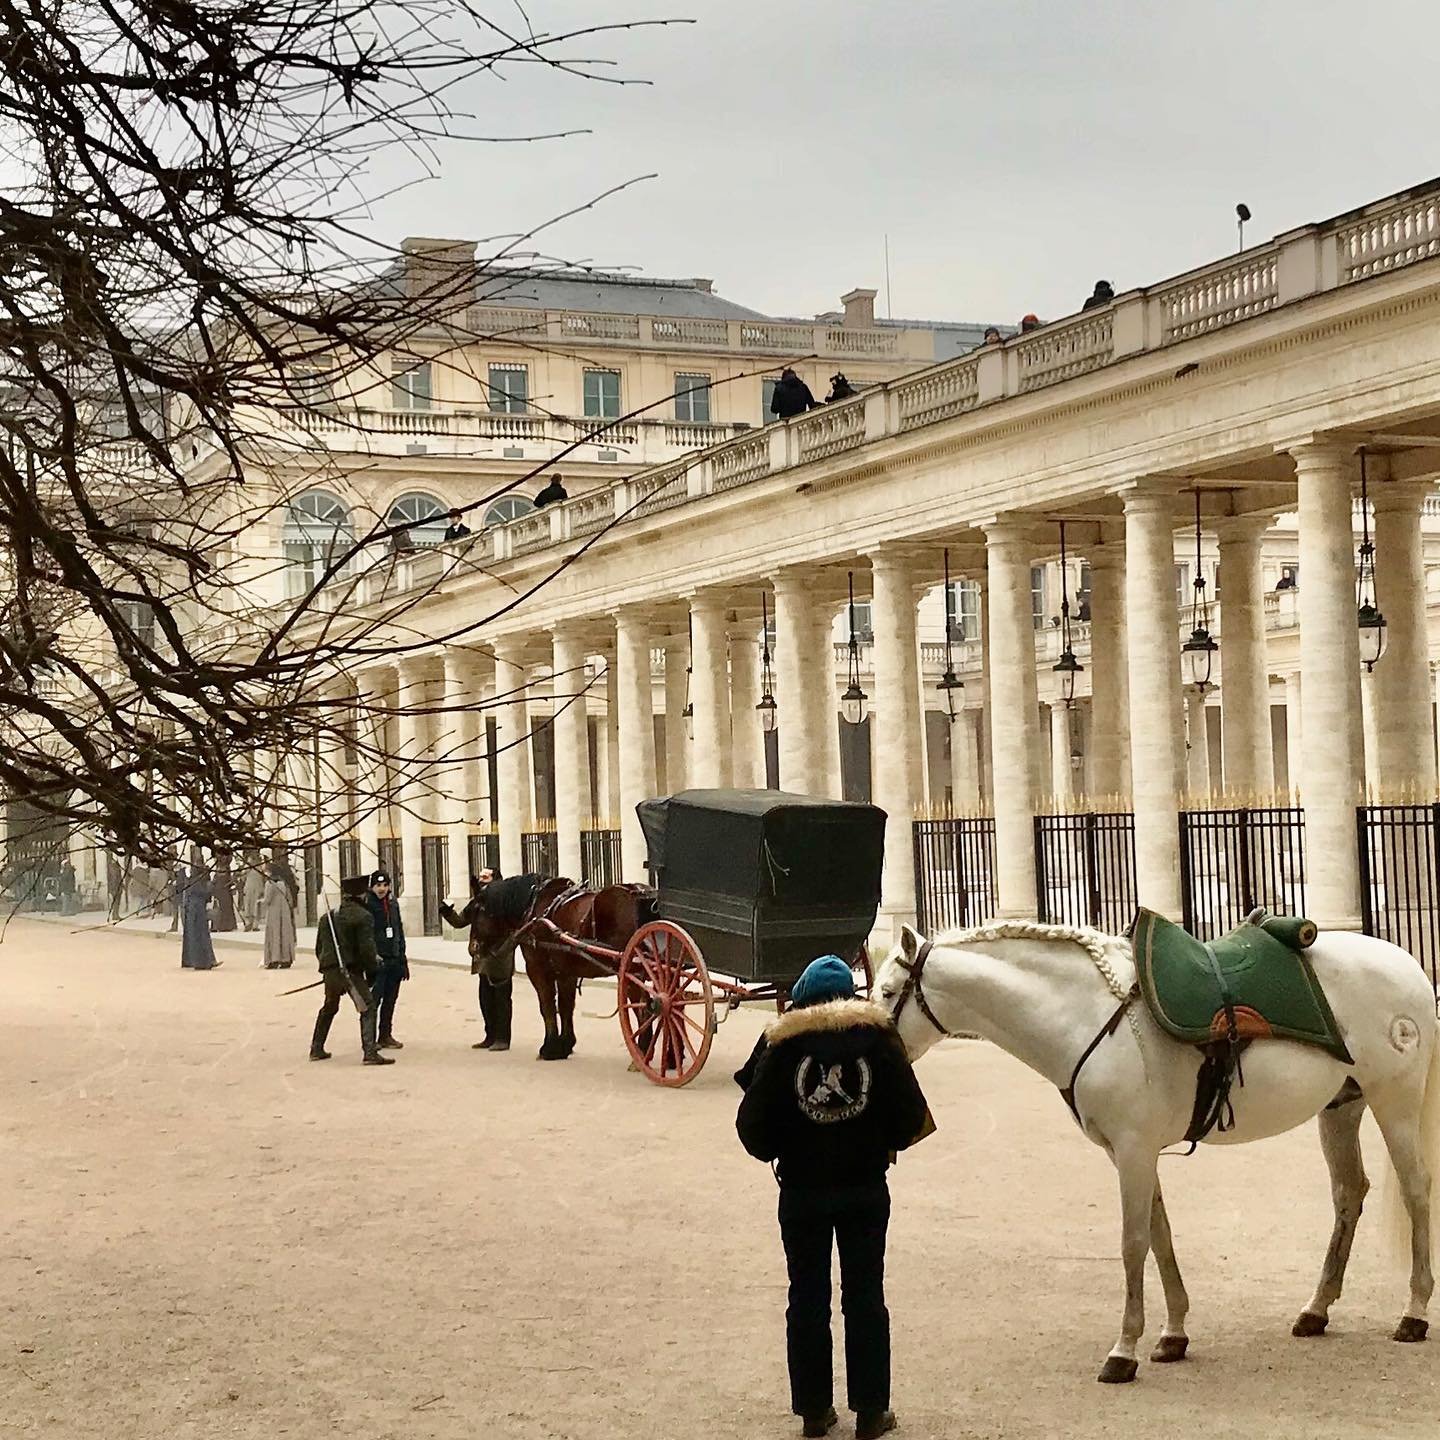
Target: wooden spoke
663, 981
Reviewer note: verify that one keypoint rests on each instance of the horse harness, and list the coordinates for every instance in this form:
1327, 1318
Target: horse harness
913, 986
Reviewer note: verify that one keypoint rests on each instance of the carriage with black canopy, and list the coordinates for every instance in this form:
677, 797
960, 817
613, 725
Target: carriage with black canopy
756, 884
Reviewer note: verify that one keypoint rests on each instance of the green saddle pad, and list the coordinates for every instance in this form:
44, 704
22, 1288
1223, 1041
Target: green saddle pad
1270, 982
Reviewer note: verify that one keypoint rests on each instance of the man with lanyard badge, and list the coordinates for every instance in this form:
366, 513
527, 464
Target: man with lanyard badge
390, 947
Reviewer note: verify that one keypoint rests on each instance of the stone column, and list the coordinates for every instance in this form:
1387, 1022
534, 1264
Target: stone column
415, 782
375, 684
896, 776
636, 734
1109, 675
1293, 731
1014, 713
512, 742
572, 750
459, 722
1156, 731
964, 761
801, 762
1197, 757
1332, 772
677, 743
612, 736
1062, 785
710, 692
747, 740
1247, 751
1405, 736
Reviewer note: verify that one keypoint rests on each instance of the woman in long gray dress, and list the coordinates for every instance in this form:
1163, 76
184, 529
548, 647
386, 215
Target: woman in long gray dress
196, 950
279, 923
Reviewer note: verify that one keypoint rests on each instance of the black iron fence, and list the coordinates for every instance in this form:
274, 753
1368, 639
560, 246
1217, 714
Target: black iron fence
600, 857
1399, 892
540, 852
434, 881
1085, 869
1233, 860
954, 872
484, 849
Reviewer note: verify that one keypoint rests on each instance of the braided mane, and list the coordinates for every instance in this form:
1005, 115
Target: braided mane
1099, 946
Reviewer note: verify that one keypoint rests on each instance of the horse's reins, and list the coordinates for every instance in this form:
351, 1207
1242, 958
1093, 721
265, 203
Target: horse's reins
913, 987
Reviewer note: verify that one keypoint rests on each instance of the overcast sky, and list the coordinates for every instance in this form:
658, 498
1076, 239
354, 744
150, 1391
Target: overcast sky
1014, 150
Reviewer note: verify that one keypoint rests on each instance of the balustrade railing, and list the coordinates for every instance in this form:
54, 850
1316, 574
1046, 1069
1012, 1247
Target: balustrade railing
938, 394
1061, 352
831, 431
1218, 298
735, 464
1401, 235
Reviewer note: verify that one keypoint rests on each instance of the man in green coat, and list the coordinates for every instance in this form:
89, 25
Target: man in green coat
345, 946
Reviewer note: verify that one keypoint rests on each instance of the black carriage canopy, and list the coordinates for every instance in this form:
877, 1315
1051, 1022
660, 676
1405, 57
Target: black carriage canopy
765, 880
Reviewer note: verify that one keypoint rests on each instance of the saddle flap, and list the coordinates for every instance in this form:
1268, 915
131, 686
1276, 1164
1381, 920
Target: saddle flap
1257, 972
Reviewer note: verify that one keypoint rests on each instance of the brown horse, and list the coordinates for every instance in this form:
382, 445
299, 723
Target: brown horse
536, 908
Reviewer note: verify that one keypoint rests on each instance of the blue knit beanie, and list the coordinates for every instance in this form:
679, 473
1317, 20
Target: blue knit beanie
827, 978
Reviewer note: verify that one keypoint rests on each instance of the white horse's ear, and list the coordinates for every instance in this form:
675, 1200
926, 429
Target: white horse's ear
909, 942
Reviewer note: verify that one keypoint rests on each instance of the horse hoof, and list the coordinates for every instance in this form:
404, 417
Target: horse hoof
1170, 1349
1411, 1330
1118, 1371
1308, 1325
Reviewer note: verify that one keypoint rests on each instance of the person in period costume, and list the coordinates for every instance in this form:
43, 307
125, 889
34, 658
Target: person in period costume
279, 924
504, 901
179, 879
457, 529
252, 893
345, 947
829, 1098
390, 946
197, 952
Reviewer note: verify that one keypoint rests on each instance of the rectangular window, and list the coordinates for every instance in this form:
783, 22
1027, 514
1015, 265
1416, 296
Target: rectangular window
1037, 596
1082, 595
602, 394
311, 388
510, 389
962, 610
864, 622
767, 394
1182, 586
409, 383
692, 398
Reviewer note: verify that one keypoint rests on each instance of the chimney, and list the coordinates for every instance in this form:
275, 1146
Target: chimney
859, 309
439, 268
705, 287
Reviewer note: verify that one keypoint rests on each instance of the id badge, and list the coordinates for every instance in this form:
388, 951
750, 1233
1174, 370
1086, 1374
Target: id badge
389, 932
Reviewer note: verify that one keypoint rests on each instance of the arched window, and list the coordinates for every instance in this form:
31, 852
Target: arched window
425, 516
506, 509
317, 528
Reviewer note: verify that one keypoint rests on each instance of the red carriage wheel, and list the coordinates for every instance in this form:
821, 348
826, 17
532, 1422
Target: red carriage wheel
667, 1008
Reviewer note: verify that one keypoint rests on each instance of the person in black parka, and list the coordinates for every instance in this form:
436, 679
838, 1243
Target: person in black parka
829, 1099
390, 947
791, 396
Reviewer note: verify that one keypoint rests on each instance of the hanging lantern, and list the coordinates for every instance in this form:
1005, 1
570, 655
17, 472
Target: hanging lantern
768, 710
949, 682
688, 713
1197, 654
852, 702
1367, 613
1067, 667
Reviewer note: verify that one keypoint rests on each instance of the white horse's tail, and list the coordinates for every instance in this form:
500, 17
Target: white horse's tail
1394, 1219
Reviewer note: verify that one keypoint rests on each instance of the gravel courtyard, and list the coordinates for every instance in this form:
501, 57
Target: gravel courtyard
206, 1235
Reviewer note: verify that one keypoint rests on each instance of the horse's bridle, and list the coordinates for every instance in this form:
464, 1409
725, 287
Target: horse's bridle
912, 986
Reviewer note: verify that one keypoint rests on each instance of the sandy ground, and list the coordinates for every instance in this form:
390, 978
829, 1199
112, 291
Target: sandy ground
205, 1235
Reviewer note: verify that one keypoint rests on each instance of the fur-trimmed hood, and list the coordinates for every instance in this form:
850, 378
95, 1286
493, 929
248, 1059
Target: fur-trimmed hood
833, 1015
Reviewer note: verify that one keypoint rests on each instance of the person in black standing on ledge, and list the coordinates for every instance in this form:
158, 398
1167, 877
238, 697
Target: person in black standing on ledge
829, 1098
791, 397
390, 947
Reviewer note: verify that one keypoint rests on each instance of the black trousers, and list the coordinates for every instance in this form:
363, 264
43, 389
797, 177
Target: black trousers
386, 988
857, 1218
497, 1002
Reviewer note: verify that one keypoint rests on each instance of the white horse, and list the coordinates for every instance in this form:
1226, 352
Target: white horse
1047, 994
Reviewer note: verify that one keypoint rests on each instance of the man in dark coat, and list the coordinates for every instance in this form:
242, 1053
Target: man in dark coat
1103, 294
345, 947
390, 947
830, 1097
506, 903
792, 396
457, 529
552, 494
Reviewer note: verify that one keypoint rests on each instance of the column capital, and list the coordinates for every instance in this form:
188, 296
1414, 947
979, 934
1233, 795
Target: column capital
1241, 528
1010, 529
1150, 497
1396, 497
425, 666
708, 601
1317, 454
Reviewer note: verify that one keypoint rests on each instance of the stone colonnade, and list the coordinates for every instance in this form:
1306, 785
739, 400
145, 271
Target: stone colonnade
1139, 714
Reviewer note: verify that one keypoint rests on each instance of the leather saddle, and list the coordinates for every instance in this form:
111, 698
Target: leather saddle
1255, 983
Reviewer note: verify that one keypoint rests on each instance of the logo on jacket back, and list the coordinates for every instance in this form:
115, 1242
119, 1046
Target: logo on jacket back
827, 1093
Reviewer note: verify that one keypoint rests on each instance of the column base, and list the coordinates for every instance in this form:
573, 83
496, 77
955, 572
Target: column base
885, 934
1351, 923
